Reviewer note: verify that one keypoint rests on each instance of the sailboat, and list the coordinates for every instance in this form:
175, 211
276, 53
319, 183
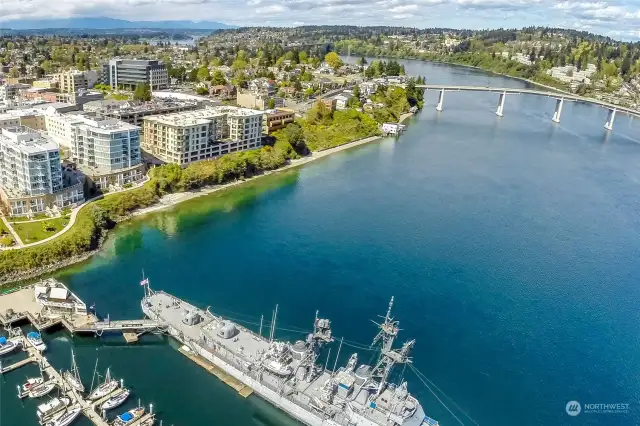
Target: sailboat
108, 386
67, 418
41, 390
52, 407
116, 401
72, 376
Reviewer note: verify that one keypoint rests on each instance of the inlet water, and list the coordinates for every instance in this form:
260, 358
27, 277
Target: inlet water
511, 246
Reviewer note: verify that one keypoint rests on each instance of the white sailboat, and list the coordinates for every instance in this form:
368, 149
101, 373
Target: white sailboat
116, 401
108, 386
67, 418
41, 390
72, 376
129, 416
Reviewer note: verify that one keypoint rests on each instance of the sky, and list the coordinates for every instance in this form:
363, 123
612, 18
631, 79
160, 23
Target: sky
616, 18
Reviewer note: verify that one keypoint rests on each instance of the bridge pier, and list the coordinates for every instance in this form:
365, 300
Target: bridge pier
610, 119
501, 99
558, 112
440, 101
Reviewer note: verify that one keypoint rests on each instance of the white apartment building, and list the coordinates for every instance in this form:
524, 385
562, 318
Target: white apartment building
184, 137
60, 126
107, 145
107, 151
31, 176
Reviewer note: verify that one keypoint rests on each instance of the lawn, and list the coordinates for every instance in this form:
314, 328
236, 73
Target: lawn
3, 228
30, 232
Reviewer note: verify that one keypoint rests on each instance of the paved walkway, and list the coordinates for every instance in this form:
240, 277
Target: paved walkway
14, 234
72, 219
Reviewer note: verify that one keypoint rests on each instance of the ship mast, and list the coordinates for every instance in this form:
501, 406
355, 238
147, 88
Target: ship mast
388, 356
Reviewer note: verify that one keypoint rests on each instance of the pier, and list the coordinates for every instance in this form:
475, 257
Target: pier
49, 304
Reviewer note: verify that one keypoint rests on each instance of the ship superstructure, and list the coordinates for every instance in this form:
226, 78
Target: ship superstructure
288, 375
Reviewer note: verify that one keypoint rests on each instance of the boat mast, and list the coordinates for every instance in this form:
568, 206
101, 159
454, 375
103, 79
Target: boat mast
273, 324
388, 356
261, 319
95, 370
74, 366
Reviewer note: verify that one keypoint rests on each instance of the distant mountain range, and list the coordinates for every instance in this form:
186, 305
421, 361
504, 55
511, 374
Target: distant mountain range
103, 23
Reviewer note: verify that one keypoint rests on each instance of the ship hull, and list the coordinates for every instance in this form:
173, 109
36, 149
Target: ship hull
283, 403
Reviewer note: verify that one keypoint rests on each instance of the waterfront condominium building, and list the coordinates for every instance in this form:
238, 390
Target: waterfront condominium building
32, 178
128, 73
184, 137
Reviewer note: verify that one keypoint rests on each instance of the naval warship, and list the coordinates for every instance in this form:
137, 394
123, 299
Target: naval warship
288, 375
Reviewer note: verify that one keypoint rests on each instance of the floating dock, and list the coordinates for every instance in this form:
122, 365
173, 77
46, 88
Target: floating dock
238, 386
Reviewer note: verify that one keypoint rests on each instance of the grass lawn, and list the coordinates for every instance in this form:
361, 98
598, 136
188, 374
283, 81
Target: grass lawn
3, 228
30, 232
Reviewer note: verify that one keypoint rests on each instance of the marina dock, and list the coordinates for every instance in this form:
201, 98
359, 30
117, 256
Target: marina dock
90, 409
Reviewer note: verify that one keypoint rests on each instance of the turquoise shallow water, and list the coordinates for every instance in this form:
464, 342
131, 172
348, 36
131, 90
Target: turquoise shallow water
510, 245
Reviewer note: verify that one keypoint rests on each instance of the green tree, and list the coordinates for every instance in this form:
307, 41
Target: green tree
142, 93
218, 78
271, 104
203, 74
333, 60
14, 72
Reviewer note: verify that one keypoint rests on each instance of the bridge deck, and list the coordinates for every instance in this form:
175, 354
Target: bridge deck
516, 91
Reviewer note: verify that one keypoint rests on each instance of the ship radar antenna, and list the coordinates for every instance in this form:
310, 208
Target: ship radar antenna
388, 356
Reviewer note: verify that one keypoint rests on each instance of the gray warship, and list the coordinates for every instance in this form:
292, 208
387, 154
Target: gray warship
288, 375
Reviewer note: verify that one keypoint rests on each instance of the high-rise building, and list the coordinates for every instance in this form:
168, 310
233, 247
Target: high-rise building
107, 151
185, 137
129, 73
31, 176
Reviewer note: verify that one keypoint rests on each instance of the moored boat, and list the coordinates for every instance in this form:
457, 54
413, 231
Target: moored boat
41, 390
31, 383
67, 418
52, 407
128, 417
108, 386
36, 341
116, 401
7, 345
72, 377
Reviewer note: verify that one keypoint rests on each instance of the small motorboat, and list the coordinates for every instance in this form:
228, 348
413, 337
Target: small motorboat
108, 386
31, 383
36, 341
116, 401
52, 407
7, 345
67, 418
129, 416
41, 390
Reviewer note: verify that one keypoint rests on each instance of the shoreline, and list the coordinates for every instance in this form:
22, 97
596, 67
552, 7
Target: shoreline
170, 200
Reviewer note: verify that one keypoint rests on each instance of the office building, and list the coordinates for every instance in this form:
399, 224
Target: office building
185, 137
73, 81
32, 178
128, 73
11, 91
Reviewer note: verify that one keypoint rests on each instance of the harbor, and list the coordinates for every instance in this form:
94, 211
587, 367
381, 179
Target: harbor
44, 306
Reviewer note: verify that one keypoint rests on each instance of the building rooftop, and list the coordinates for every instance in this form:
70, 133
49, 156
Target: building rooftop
203, 116
27, 140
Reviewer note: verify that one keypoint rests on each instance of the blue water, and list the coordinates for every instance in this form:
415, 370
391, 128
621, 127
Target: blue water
510, 245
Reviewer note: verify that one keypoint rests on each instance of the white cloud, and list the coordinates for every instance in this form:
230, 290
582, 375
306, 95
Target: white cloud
404, 8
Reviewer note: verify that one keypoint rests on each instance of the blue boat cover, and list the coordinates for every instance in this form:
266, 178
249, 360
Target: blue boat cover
126, 417
3, 340
33, 335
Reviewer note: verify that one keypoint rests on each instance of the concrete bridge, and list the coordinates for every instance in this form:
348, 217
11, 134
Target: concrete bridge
559, 96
